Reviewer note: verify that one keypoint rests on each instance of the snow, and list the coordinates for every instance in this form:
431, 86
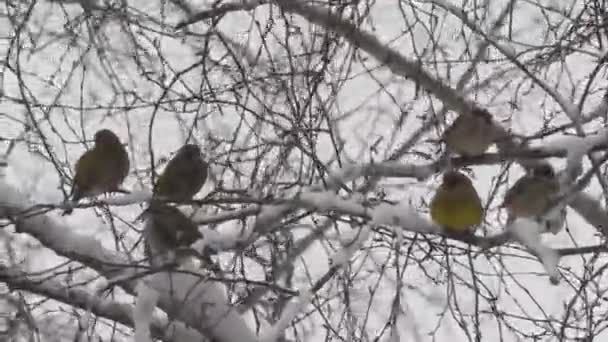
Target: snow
187, 287
402, 216
343, 256
135, 197
577, 147
289, 314
143, 312
528, 233
219, 241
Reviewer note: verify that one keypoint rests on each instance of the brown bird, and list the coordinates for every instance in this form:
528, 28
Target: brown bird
169, 230
532, 194
101, 169
183, 176
471, 134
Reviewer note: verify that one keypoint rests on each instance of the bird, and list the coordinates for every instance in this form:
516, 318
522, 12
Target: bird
470, 134
532, 194
101, 169
456, 206
183, 176
169, 230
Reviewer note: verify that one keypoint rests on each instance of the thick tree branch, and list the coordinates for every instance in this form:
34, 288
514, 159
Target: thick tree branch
81, 298
65, 242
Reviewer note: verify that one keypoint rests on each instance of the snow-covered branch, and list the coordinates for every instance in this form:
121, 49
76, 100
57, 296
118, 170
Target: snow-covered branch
81, 298
64, 241
207, 304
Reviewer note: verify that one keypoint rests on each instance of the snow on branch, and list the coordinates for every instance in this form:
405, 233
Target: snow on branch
528, 233
289, 314
79, 297
591, 210
202, 218
203, 302
125, 199
143, 312
402, 217
577, 147
60, 238
66, 242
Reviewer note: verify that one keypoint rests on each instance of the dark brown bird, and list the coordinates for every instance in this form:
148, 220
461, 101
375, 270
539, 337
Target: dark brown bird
101, 169
167, 231
183, 176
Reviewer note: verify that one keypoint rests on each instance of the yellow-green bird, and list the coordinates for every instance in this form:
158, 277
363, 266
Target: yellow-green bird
456, 205
183, 176
532, 194
470, 134
101, 169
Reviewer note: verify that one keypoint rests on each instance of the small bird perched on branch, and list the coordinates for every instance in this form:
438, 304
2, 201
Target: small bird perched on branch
101, 169
532, 194
470, 134
169, 230
183, 176
456, 205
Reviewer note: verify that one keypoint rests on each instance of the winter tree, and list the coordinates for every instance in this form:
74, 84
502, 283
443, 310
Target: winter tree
321, 122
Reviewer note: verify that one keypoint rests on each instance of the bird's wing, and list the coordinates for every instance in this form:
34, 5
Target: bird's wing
163, 183
453, 128
87, 171
468, 191
517, 189
124, 163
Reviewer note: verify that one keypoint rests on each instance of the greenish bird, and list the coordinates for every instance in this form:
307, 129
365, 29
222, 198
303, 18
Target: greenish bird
184, 175
456, 205
532, 194
470, 134
101, 169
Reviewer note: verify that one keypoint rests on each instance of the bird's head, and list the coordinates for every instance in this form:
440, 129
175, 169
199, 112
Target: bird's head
455, 178
106, 137
543, 170
483, 114
190, 151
